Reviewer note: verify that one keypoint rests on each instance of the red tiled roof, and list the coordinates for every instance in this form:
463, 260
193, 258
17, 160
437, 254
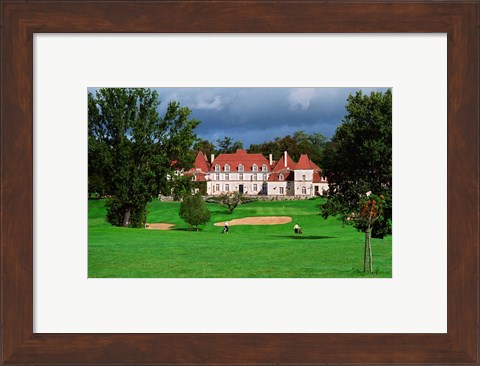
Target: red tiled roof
304, 162
199, 177
240, 157
316, 177
281, 163
288, 176
201, 162
315, 166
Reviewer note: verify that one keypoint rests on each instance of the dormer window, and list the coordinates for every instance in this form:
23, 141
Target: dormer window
280, 176
217, 168
226, 168
254, 168
240, 167
264, 168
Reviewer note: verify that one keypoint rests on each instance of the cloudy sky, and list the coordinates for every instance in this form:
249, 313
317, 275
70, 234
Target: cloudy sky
255, 115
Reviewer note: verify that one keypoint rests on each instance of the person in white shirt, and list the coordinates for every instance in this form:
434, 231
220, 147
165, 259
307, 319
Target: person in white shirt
225, 228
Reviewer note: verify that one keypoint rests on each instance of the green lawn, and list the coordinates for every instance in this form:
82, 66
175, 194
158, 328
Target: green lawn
326, 248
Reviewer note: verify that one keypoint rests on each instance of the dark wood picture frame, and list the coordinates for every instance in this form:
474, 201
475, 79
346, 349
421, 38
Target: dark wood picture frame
21, 19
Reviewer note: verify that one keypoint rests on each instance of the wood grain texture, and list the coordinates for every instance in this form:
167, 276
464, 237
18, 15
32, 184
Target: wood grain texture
20, 19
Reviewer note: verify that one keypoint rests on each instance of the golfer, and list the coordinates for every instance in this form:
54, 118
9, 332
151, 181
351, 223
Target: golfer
225, 228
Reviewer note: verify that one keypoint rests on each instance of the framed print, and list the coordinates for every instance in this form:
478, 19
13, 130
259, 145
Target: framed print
230, 320
163, 282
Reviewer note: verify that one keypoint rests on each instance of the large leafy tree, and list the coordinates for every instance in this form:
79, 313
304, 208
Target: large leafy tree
359, 160
132, 150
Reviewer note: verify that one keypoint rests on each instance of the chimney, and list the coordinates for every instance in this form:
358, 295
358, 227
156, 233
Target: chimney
212, 158
270, 158
285, 158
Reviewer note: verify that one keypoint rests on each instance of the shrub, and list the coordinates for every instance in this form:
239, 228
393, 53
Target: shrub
194, 210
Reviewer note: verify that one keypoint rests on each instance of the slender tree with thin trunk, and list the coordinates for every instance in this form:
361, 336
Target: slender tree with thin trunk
230, 200
370, 210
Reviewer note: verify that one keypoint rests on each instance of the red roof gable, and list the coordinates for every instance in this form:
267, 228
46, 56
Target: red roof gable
281, 163
304, 162
201, 162
240, 157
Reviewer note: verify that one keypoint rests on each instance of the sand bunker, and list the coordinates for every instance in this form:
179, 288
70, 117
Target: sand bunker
160, 226
261, 220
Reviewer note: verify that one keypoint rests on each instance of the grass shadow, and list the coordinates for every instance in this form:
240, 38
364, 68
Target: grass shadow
186, 229
306, 237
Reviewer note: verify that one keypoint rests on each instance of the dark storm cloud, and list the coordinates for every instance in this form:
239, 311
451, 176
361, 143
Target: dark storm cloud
255, 115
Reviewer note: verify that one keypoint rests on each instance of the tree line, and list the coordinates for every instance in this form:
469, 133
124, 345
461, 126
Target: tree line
296, 144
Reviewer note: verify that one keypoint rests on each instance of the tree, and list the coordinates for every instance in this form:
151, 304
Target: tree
133, 149
180, 186
359, 159
370, 209
228, 146
230, 200
194, 210
296, 145
204, 146
311, 144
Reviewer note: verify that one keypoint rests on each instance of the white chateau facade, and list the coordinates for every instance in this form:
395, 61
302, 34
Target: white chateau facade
253, 174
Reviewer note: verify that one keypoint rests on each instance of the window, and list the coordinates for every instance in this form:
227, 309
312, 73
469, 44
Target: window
264, 176
281, 190
254, 187
254, 177
226, 168
217, 176
304, 190
217, 168
194, 177
304, 177
217, 187
227, 176
227, 187
240, 176
255, 168
240, 167
264, 168
280, 177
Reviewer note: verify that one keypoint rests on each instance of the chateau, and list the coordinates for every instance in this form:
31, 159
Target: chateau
253, 174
